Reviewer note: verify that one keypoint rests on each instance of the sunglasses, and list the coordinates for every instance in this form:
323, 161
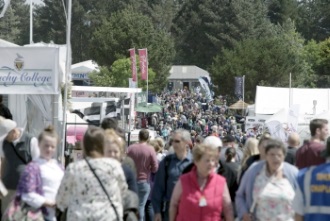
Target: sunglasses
176, 141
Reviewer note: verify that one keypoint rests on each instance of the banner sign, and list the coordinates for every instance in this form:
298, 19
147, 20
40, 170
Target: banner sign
204, 84
143, 54
239, 87
131, 83
141, 97
29, 70
4, 6
133, 63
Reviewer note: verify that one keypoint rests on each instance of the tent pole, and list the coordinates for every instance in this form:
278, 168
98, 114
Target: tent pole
67, 77
243, 94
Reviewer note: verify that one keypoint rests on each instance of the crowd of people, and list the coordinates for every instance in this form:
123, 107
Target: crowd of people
190, 173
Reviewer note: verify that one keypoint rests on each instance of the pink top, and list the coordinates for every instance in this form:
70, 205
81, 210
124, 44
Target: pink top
144, 157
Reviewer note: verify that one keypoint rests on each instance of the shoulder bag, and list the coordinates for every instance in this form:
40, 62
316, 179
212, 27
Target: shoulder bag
105, 191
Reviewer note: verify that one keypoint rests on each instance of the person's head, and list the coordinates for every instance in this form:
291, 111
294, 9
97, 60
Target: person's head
230, 154
293, 140
319, 129
205, 158
251, 147
109, 123
262, 144
143, 135
114, 146
157, 144
229, 141
199, 139
181, 140
326, 152
8, 129
48, 141
275, 151
93, 142
214, 142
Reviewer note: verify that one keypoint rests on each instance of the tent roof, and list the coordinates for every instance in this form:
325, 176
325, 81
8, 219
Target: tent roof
84, 67
239, 105
4, 43
186, 72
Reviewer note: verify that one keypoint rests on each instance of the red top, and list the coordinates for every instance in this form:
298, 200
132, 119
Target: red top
189, 206
309, 154
144, 157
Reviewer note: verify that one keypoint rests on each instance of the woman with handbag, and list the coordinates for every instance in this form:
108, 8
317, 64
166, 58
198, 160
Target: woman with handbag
268, 187
38, 185
92, 188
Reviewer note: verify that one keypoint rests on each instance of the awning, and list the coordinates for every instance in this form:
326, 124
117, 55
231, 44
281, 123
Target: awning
239, 105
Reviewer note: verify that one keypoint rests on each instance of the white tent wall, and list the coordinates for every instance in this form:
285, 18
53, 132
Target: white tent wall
17, 104
33, 111
269, 100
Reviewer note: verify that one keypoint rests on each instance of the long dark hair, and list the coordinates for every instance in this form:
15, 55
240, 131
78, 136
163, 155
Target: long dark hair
230, 154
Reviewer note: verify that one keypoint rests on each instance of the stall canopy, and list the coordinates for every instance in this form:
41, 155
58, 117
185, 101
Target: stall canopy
84, 67
239, 105
149, 108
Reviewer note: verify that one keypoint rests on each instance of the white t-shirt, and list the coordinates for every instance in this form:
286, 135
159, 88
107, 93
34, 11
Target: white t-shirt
51, 175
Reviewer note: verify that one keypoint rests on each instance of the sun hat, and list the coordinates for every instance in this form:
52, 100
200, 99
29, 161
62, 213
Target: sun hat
6, 125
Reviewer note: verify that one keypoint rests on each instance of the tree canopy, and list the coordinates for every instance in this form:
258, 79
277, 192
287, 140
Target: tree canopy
265, 40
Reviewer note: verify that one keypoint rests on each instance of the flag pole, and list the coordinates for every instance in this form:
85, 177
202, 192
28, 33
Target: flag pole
147, 76
31, 21
243, 94
67, 75
290, 91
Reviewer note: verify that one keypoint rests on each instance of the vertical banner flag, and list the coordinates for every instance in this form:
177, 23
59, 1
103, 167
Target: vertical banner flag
204, 84
133, 63
3, 7
143, 54
207, 79
239, 87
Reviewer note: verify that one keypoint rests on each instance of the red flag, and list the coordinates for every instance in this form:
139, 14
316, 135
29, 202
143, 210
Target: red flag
133, 63
143, 54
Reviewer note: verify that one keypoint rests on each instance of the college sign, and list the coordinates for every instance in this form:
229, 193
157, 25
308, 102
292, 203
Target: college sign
31, 70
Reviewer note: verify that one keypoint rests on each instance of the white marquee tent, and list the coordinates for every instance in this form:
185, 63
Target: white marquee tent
37, 105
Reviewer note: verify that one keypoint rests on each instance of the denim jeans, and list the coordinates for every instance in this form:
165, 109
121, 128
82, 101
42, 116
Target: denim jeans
149, 212
143, 192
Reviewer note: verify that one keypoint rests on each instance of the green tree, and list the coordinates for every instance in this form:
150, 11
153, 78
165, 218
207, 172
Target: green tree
22, 11
203, 28
50, 25
129, 29
279, 11
318, 55
314, 19
119, 73
265, 61
9, 26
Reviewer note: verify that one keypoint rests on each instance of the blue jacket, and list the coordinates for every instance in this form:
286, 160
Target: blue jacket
314, 184
244, 194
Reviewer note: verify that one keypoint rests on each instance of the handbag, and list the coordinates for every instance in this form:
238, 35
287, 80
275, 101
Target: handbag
20, 211
105, 191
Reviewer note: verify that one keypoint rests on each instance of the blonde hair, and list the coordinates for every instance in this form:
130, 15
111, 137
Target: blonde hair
201, 149
157, 144
112, 137
48, 131
250, 149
